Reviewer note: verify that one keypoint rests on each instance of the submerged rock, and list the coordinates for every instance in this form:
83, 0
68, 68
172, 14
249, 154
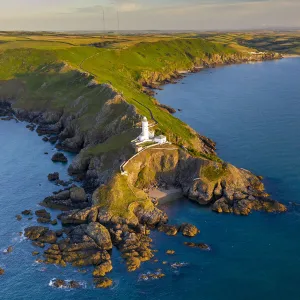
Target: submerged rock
27, 212
2, 271
201, 246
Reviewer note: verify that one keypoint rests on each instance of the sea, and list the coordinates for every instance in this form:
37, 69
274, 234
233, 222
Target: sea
252, 111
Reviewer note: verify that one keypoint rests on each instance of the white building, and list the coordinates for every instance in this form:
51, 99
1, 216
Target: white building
145, 131
161, 139
149, 136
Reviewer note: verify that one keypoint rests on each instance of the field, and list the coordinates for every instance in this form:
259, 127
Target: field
282, 42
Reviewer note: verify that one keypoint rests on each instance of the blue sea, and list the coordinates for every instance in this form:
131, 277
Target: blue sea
252, 111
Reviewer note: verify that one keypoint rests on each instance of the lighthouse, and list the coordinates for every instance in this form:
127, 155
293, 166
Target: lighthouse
145, 130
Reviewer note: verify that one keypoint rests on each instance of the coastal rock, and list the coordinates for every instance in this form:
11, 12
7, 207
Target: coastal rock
67, 284
27, 212
103, 283
170, 252
222, 206
100, 235
53, 176
59, 157
40, 234
79, 216
70, 198
189, 230
152, 217
201, 246
42, 213
78, 194
2, 271
102, 269
168, 229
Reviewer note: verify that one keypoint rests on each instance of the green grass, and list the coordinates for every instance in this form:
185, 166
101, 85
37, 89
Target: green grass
214, 172
44, 85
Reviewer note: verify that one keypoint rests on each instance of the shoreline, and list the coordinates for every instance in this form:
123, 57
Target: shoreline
163, 196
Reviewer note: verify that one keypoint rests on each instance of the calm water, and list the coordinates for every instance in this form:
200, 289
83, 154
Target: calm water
253, 112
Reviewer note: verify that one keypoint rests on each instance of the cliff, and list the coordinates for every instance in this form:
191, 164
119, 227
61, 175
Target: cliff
92, 100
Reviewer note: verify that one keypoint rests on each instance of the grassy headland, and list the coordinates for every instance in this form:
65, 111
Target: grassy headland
97, 84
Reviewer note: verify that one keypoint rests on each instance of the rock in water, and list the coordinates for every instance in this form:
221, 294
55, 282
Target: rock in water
201, 246
27, 212
168, 229
53, 176
1, 272
189, 230
103, 282
102, 269
59, 157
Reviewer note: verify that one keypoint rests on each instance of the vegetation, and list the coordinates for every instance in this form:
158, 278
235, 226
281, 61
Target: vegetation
53, 71
282, 42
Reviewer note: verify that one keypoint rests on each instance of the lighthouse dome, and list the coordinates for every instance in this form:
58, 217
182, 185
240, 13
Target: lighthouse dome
145, 119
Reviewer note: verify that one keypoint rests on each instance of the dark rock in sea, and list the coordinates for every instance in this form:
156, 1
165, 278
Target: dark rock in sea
42, 213
35, 253
168, 229
53, 222
59, 283
70, 198
170, 252
189, 230
102, 269
45, 139
179, 109
2, 271
19, 217
41, 234
74, 284
31, 127
43, 220
53, 176
103, 282
59, 157
53, 139
152, 276
27, 212
201, 246
46, 153
9, 250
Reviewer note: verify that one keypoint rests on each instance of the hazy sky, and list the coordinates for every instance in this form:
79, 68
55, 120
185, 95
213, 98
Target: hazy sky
148, 14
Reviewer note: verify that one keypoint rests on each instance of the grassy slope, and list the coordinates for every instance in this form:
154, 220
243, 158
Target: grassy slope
37, 81
123, 68
282, 42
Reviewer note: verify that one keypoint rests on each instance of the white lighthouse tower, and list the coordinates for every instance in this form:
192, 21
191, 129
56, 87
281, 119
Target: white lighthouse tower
145, 130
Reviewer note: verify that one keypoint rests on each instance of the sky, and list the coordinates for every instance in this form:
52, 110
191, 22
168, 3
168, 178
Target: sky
57, 15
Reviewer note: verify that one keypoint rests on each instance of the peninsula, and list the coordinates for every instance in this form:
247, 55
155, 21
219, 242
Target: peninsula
95, 96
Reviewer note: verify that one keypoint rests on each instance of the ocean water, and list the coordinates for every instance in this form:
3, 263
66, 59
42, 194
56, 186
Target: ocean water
252, 111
